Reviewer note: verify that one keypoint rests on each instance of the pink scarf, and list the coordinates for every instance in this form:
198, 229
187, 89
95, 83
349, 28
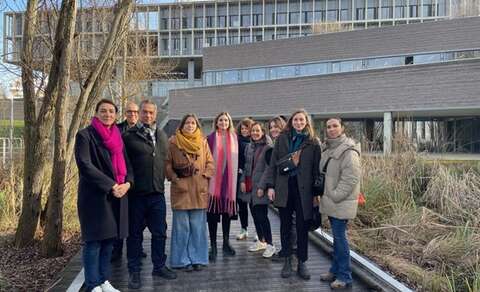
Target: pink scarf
112, 139
223, 202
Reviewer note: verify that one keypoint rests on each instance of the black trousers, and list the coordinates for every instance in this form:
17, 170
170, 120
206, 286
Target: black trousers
262, 224
243, 213
152, 210
213, 220
294, 204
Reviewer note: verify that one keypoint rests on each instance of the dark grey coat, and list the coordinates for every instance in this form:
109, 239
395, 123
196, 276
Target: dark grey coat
148, 160
257, 172
307, 169
102, 216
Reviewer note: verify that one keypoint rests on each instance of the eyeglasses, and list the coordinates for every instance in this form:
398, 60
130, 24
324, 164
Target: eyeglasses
132, 112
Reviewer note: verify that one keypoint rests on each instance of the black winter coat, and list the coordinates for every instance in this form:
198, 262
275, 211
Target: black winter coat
102, 216
307, 169
148, 161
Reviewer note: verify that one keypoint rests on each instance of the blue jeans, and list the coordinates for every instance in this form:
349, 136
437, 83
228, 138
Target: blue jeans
341, 267
189, 243
149, 209
96, 262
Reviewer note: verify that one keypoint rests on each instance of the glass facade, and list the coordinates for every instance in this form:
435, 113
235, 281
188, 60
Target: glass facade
183, 29
329, 67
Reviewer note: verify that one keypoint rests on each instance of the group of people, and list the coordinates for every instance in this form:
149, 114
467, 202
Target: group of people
217, 178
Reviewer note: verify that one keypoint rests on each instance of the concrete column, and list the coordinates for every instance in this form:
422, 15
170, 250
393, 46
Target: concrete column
387, 133
191, 72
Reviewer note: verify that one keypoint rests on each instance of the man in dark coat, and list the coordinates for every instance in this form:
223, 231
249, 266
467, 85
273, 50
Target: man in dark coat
147, 144
131, 119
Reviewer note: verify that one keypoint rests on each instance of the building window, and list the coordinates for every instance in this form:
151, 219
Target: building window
384, 62
199, 22
209, 78
281, 18
313, 69
245, 20
229, 77
152, 21
222, 21
408, 60
294, 17
427, 58
221, 40
234, 21
209, 21
257, 19
282, 72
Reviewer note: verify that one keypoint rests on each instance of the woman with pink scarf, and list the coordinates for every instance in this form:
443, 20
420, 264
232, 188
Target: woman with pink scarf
104, 179
222, 187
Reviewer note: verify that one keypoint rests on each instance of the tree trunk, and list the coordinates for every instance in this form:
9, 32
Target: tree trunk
52, 240
92, 88
33, 172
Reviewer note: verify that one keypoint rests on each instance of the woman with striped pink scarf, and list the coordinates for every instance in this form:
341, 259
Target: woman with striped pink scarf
223, 185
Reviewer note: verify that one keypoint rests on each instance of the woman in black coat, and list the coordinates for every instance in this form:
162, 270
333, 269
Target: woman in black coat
104, 179
290, 189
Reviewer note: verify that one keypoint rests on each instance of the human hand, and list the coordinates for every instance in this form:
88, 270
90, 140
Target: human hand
243, 187
296, 157
120, 190
316, 201
271, 194
260, 193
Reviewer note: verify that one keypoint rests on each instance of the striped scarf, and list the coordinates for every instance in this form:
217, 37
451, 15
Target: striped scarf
223, 201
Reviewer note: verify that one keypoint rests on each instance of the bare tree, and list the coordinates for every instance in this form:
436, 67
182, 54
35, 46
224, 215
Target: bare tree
38, 128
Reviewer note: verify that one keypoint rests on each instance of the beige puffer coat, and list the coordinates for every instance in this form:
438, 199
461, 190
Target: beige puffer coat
342, 179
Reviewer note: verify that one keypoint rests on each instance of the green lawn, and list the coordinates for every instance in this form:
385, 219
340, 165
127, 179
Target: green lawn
17, 128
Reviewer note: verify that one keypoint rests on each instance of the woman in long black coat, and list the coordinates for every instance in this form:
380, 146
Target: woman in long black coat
290, 189
104, 179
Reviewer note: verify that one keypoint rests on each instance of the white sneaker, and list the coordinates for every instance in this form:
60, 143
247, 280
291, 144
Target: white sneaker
269, 251
97, 289
242, 235
257, 246
107, 287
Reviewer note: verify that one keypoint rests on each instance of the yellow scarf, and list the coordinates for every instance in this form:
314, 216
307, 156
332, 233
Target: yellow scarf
190, 143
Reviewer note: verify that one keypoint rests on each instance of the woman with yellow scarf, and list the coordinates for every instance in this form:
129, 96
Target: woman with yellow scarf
189, 165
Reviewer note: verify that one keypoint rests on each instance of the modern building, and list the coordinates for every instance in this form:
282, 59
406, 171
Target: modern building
179, 31
419, 81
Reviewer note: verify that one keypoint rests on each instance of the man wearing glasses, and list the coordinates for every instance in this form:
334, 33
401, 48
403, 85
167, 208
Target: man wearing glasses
131, 119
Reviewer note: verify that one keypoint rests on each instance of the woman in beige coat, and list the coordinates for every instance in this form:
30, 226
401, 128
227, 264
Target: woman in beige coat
189, 165
341, 159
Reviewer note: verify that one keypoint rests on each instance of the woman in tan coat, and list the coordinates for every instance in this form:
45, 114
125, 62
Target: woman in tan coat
341, 161
189, 165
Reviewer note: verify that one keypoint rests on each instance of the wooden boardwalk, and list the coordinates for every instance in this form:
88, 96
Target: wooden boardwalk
246, 272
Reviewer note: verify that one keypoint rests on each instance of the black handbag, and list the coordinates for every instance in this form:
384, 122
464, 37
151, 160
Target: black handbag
316, 219
286, 164
319, 181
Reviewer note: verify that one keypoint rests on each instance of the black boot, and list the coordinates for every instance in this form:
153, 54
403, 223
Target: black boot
287, 267
228, 249
302, 271
212, 254
134, 281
